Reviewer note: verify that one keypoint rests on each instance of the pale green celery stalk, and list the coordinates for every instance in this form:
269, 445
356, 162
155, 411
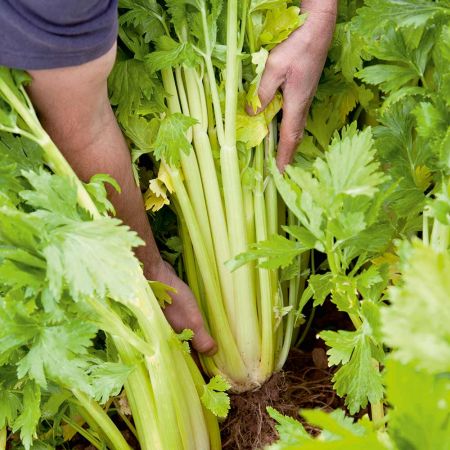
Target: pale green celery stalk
140, 398
439, 239
248, 332
190, 266
198, 435
183, 101
264, 276
189, 165
293, 304
249, 212
211, 79
3, 437
271, 198
229, 362
211, 421
212, 131
228, 359
270, 192
101, 419
173, 389
216, 215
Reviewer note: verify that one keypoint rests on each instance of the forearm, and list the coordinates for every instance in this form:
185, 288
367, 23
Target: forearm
74, 108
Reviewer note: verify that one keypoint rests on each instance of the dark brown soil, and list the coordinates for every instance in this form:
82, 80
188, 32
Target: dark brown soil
301, 385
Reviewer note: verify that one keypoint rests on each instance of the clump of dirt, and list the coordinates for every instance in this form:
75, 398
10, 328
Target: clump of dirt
304, 383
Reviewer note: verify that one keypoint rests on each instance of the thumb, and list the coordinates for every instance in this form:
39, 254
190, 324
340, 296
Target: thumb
268, 86
203, 342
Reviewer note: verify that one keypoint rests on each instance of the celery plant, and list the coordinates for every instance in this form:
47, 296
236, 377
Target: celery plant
198, 64
56, 283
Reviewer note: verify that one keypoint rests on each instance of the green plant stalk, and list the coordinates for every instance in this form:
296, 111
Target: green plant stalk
213, 87
264, 276
228, 358
199, 426
190, 266
82, 431
212, 131
213, 197
189, 165
439, 239
140, 398
290, 322
248, 332
3, 438
167, 383
109, 430
211, 421
114, 325
249, 212
171, 388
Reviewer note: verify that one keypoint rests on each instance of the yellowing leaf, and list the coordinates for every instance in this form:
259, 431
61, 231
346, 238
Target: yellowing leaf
422, 177
279, 24
251, 130
259, 59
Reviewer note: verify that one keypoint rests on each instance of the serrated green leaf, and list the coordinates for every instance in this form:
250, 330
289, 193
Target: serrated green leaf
271, 253
28, 420
321, 286
290, 431
171, 138
215, 398
67, 343
107, 380
10, 405
130, 84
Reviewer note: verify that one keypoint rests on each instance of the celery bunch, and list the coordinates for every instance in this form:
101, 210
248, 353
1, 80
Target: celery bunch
184, 75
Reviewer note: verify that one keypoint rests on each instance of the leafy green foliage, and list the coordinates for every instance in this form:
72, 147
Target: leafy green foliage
171, 139
358, 378
422, 293
214, 397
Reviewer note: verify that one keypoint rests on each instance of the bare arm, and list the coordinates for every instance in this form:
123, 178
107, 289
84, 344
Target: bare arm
74, 108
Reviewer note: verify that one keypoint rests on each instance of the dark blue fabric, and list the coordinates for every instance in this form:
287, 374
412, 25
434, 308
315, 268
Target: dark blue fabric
45, 34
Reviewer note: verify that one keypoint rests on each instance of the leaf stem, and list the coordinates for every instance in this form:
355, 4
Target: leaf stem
102, 420
3, 438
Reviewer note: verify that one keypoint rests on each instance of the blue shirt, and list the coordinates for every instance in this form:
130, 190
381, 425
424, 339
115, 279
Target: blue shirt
45, 34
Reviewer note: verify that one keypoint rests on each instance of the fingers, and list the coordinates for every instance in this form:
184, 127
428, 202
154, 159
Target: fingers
203, 342
271, 80
295, 111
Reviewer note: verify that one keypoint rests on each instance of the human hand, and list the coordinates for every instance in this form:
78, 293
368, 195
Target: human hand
183, 312
295, 66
